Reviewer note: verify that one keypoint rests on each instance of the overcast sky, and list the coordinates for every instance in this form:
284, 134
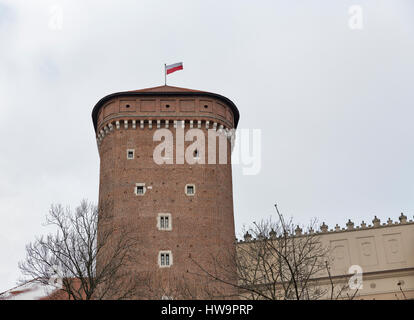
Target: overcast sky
335, 104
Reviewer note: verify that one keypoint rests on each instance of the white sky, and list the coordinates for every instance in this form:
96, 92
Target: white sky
334, 104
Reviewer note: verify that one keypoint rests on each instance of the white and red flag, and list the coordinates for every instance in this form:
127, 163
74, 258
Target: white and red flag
173, 67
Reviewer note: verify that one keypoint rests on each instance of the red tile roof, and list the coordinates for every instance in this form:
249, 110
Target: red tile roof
35, 290
166, 89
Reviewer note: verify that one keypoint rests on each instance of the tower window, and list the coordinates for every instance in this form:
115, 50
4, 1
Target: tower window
164, 222
140, 189
190, 189
205, 106
127, 106
130, 154
196, 154
165, 259
167, 106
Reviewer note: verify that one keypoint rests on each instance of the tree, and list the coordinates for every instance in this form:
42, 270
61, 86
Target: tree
88, 262
277, 262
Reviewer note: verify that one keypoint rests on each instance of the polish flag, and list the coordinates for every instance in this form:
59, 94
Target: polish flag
174, 67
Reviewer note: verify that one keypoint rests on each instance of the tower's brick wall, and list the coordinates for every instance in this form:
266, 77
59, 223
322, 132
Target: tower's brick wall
203, 224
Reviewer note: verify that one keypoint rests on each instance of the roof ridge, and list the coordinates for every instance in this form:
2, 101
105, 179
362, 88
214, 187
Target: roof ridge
19, 285
165, 88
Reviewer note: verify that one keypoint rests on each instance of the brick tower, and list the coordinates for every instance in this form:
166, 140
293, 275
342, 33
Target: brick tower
183, 213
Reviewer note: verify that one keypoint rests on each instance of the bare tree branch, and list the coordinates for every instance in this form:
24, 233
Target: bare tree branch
275, 263
72, 253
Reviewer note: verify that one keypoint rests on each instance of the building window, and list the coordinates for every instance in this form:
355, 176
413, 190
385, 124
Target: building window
130, 154
164, 222
190, 189
165, 259
140, 189
196, 154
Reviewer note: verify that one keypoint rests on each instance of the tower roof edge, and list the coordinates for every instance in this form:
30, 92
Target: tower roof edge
165, 91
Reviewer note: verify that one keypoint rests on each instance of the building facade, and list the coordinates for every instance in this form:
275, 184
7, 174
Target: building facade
382, 254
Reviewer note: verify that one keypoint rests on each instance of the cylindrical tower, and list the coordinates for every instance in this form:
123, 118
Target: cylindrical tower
182, 207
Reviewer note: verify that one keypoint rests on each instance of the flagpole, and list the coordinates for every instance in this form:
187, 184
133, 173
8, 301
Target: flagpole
165, 74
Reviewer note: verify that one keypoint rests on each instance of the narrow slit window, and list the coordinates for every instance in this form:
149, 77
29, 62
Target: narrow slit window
165, 222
